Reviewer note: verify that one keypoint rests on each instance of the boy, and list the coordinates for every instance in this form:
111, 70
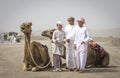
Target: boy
70, 52
58, 47
80, 44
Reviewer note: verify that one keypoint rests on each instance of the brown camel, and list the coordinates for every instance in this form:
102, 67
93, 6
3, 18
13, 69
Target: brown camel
92, 60
36, 55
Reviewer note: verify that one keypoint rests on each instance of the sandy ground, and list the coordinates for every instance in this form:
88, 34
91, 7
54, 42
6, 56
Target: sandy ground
11, 56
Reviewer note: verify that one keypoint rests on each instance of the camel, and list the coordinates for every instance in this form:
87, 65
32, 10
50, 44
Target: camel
94, 59
36, 55
91, 59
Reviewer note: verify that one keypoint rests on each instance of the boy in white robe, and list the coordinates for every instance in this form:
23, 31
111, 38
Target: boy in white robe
80, 44
58, 39
69, 32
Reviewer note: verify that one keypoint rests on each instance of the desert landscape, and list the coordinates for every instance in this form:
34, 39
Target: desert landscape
102, 18
11, 61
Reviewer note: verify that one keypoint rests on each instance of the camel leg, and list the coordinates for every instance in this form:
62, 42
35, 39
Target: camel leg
26, 67
34, 69
106, 60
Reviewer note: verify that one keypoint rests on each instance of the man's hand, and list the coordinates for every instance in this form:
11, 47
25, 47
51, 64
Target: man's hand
74, 46
82, 42
68, 40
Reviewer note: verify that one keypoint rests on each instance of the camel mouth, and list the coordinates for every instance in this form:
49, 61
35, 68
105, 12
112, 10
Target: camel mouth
43, 34
23, 30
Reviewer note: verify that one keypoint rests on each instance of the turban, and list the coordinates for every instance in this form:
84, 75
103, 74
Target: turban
71, 18
59, 22
81, 19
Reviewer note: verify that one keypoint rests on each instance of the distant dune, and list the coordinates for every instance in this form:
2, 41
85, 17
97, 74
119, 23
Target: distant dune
115, 32
108, 41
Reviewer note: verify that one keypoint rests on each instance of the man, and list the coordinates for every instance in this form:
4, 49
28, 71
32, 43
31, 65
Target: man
80, 44
69, 32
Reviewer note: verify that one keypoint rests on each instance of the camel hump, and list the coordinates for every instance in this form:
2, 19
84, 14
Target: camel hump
34, 43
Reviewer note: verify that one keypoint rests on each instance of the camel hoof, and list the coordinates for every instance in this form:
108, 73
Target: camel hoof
25, 69
34, 69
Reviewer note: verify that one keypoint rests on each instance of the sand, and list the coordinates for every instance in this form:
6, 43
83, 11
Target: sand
11, 60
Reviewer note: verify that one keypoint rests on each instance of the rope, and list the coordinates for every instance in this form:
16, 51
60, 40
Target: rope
33, 58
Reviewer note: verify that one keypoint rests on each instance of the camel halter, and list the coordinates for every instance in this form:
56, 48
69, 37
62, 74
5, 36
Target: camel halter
33, 58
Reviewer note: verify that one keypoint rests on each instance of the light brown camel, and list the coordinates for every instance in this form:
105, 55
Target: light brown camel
91, 58
36, 55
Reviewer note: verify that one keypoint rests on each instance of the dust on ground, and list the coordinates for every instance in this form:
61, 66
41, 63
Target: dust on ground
11, 60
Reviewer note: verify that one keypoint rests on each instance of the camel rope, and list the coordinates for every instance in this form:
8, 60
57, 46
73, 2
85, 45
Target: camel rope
33, 58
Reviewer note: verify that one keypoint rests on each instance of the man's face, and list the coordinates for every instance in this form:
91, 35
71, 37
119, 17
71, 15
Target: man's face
71, 21
80, 23
59, 26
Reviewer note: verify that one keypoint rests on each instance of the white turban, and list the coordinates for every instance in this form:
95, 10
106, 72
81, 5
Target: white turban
59, 22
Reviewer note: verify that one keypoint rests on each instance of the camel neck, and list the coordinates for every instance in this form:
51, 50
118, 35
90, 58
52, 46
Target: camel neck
27, 37
27, 42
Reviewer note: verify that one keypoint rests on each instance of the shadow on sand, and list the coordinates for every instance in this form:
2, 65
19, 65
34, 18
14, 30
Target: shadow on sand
87, 70
102, 69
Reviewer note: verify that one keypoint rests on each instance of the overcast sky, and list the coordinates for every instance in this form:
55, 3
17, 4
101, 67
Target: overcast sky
44, 14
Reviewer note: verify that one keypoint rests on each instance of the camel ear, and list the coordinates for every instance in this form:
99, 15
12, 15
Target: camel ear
30, 23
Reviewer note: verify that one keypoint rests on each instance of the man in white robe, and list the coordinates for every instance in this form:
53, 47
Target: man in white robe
69, 32
80, 44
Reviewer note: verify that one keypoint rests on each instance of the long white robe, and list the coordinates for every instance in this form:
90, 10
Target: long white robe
59, 47
70, 54
81, 34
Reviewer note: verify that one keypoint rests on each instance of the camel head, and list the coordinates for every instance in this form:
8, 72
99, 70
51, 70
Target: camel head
26, 27
48, 33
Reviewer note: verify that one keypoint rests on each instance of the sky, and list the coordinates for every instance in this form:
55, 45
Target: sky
99, 14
